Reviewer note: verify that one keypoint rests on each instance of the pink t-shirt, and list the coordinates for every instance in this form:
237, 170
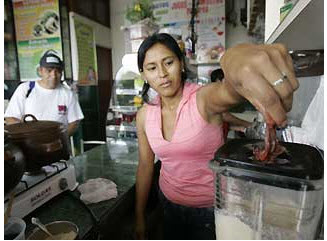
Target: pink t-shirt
185, 177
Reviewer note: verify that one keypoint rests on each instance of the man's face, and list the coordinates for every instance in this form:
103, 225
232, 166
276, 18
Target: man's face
50, 77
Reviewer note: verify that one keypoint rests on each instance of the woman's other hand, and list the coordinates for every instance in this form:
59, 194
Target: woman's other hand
140, 228
264, 75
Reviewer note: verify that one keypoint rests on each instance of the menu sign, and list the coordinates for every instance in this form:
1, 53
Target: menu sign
210, 30
172, 11
86, 50
37, 24
209, 24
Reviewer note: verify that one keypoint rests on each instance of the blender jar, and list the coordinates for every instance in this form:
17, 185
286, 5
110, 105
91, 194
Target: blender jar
255, 200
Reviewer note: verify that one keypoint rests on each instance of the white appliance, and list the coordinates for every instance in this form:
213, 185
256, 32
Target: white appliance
38, 188
129, 69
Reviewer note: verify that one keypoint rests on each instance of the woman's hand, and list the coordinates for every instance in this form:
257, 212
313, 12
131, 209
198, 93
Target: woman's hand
140, 228
257, 72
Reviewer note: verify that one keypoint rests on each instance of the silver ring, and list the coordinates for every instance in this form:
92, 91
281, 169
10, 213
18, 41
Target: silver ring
281, 80
278, 82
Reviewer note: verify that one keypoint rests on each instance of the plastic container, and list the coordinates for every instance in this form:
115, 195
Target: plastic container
254, 200
14, 229
142, 29
136, 33
139, 31
135, 44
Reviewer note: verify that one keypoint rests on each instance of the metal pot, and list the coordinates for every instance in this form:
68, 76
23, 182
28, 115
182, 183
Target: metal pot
68, 230
14, 164
42, 142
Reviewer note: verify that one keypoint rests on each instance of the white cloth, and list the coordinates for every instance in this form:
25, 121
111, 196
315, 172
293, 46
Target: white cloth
97, 190
312, 127
58, 104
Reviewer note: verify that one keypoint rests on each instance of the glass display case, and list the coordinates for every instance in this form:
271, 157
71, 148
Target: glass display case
126, 100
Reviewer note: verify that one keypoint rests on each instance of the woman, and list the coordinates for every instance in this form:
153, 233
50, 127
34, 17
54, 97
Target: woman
183, 126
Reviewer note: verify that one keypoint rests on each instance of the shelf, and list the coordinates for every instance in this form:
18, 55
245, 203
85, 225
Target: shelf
127, 92
124, 109
302, 28
121, 128
194, 62
121, 131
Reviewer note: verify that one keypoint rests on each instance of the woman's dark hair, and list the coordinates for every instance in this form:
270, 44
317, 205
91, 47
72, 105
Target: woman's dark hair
170, 43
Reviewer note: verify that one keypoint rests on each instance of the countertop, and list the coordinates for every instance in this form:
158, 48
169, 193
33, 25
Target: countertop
116, 160
112, 219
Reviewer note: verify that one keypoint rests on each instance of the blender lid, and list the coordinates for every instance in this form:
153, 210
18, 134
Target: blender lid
299, 161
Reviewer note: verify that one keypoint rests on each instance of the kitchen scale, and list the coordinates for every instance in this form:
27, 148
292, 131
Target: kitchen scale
36, 189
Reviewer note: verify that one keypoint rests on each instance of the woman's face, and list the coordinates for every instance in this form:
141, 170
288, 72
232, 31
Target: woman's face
162, 69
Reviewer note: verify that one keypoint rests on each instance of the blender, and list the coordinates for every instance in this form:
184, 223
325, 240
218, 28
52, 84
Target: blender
256, 200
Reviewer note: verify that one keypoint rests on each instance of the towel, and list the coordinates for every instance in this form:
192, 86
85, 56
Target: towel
97, 190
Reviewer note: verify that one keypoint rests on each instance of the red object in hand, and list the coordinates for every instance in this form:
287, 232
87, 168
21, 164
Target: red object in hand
225, 130
272, 148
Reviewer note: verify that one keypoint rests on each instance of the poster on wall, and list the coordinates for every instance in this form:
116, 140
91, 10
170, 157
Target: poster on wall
84, 49
174, 15
209, 27
172, 12
37, 25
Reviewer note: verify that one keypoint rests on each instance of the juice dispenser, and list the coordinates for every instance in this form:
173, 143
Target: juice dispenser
256, 200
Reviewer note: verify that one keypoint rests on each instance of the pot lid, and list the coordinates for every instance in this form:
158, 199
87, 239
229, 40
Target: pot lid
30, 127
299, 161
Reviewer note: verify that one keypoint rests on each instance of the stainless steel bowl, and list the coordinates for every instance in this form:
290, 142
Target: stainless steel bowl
64, 230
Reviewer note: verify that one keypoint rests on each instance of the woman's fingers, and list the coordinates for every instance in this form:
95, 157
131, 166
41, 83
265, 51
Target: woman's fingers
265, 98
279, 56
284, 62
264, 75
274, 69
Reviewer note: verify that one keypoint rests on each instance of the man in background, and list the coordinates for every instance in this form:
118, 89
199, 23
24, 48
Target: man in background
47, 98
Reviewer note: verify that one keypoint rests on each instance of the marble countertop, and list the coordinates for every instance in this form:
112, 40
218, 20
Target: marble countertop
116, 160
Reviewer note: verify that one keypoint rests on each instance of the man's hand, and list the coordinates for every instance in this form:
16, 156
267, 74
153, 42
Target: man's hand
140, 228
257, 72
72, 127
11, 120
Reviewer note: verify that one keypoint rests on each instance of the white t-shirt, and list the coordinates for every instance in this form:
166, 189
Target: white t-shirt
58, 104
